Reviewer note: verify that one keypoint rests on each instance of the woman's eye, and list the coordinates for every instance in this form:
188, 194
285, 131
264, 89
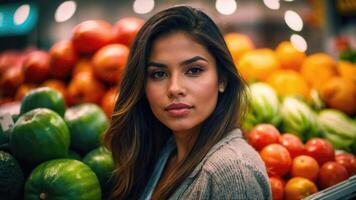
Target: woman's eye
194, 71
158, 75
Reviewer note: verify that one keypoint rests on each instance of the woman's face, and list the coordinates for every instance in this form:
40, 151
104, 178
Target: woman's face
182, 84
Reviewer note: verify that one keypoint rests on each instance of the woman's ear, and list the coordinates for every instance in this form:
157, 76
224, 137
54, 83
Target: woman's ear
222, 85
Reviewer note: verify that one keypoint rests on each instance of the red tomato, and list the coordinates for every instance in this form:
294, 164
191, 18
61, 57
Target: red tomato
263, 135
277, 186
331, 173
306, 167
11, 80
126, 29
91, 35
348, 161
298, 188
109, 62
9, 59
292, 143
320, 149
85, 88
277, 159
63, 59
36, 66
83, 65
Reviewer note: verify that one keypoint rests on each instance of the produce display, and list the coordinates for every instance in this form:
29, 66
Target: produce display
46, 155
296, 169
302, 112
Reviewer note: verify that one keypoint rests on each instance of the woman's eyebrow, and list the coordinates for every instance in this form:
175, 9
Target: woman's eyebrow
155, 64
186, 62
191, 60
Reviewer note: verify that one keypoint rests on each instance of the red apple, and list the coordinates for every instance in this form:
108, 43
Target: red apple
85, 88
36, 66
91, 35
109, 62
126, 29
108, 101
63, 58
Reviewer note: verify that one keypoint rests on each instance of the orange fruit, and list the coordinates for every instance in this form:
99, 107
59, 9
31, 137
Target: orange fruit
340, 93
238, 44
298, 188
347, 70
288, 82
306, 167
258, 64
318, 68
289, 56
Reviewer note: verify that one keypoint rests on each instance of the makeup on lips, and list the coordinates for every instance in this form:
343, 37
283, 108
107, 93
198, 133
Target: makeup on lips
178, 109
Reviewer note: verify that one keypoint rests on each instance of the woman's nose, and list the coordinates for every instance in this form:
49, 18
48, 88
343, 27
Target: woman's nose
176, 87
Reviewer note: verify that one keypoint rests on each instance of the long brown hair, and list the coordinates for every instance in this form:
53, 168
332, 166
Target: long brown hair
136, 136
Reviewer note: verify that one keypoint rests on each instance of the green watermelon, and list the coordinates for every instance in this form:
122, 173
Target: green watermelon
64, 179
39, 135
86, 122
43, 97
101, 162
11, 177
4, 138
74, 155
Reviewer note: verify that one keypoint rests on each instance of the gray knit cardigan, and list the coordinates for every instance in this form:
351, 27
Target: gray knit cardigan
232, 169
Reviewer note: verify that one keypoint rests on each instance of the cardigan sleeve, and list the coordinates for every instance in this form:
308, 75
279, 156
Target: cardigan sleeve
229, 179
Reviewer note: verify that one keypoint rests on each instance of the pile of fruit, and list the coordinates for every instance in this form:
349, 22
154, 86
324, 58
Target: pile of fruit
309, 96
85, 68
296, 169
312, 101
53, 151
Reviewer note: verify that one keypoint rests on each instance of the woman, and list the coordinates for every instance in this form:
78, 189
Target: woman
173, 133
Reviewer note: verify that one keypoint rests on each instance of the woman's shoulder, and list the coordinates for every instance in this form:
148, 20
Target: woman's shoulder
233, 153
231, 170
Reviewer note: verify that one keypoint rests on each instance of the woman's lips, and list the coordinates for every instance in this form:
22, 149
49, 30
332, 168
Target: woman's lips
178, 109
181, 112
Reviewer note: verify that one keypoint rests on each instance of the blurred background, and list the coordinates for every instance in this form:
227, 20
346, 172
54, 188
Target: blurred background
298, 58
320, 25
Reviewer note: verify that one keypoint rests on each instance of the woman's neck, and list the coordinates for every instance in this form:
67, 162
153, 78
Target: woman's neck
185, 142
